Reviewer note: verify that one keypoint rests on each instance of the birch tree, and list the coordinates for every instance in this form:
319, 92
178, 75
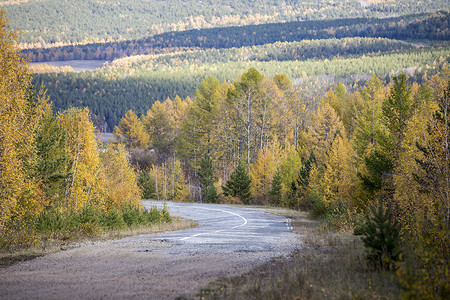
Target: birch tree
83, 186
245, 97
20, 114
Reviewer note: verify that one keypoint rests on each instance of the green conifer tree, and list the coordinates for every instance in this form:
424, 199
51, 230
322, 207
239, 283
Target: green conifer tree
275, 192
238, 185
147, 185
381, 235
397, 110
207, 179
52, 160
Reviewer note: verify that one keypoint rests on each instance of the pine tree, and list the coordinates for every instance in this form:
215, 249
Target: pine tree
147, 185
52, 160
380, 163
369, 131
302, 181
207, 179
238, 185
276, 189
397, 110
381, 235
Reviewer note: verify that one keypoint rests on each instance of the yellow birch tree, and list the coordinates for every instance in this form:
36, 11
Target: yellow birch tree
119, 179
83, 184
20, 115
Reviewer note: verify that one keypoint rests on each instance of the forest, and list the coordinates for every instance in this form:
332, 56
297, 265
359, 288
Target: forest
137, 82
167, 65
64, 22
423, 27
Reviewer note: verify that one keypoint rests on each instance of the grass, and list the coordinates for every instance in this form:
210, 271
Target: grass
51, 243
328, 265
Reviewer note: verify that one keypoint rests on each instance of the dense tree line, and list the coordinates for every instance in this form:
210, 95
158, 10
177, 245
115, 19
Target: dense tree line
54, 175
259, 140
431, 26
62, 21
138, 82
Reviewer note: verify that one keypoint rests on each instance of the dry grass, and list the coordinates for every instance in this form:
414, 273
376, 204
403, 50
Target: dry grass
51, 245
329, 265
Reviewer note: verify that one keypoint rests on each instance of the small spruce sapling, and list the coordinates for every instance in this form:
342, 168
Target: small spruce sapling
380, 235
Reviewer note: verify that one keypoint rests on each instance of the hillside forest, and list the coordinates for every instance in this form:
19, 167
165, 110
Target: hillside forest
174, 64
45, 23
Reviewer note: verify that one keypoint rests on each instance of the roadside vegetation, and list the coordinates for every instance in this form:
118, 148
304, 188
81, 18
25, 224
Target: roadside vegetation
57, 182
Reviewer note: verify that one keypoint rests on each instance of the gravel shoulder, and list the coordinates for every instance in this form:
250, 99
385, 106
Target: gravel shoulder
228, 241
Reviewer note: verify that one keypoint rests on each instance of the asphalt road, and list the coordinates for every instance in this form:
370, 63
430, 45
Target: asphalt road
228, 241
228, 229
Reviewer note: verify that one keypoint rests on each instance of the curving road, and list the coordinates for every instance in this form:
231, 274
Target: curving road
228, 240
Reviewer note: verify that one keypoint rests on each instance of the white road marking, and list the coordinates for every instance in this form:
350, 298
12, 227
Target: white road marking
288, 224
221, 230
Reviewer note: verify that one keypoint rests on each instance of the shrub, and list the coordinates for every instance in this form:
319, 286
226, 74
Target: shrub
132, 215
165, 215
88, 215
50, 220
113, 220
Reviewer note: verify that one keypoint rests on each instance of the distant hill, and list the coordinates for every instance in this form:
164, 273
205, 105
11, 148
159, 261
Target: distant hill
50, 22
419, 27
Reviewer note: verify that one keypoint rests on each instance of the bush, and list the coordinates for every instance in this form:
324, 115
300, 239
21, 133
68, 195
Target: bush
113, 220
50, 220
211, 195
132, 215
165, 215
152, 216
89, 222
88, 215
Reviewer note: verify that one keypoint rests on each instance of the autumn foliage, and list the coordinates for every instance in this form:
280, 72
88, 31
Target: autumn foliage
52, 170
270, 142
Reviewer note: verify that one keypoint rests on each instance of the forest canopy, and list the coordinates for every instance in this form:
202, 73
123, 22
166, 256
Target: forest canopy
56, 22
